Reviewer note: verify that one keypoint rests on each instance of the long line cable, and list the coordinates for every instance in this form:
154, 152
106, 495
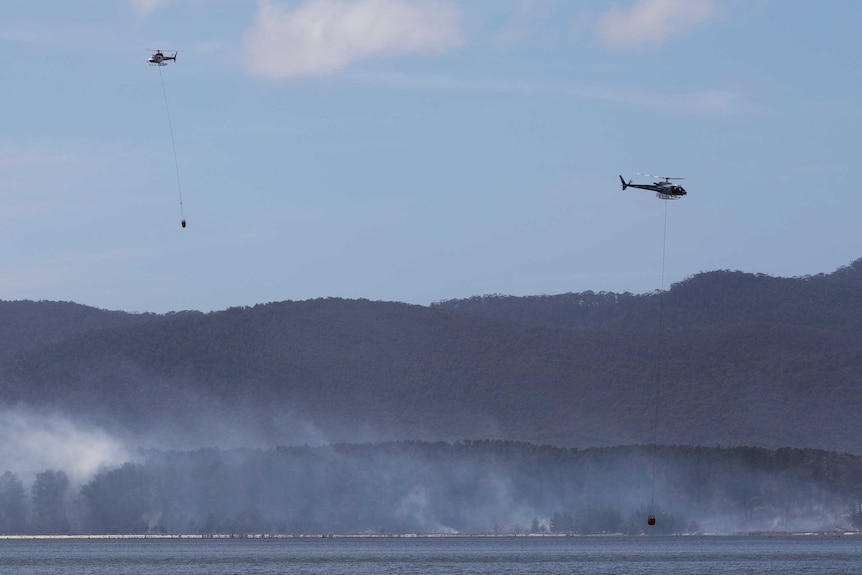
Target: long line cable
174, 147
660, 346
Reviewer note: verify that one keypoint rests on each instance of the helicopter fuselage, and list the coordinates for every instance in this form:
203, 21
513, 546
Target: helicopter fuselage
665, 189
658, 187
159, 59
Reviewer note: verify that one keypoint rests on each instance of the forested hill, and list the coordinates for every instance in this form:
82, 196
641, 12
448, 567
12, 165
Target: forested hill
719, 299
28, 324
745, 360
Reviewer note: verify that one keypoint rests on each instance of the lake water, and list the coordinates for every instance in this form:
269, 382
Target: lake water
820, 554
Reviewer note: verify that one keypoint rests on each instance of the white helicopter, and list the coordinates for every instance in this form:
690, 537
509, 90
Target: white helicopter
663, 189
159, 59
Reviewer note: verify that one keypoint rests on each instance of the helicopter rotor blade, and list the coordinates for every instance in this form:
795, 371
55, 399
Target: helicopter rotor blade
658, 177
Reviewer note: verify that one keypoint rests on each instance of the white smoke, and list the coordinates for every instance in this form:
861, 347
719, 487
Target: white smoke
37, 441
415, 509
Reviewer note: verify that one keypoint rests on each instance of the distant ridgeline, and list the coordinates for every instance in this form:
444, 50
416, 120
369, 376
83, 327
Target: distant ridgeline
465, 487
747, 360
706, 300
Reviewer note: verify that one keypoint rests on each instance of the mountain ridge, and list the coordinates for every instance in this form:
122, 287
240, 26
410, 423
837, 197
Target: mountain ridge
782, 370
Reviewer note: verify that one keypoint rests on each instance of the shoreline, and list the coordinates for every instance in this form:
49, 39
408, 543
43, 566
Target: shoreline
171, 536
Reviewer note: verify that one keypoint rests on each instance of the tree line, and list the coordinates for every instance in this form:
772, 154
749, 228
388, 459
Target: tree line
461, 487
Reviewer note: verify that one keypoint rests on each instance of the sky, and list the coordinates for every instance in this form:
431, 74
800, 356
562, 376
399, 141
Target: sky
420, 150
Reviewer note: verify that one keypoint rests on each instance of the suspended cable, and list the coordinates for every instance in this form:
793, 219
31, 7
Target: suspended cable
657, 391
174, 147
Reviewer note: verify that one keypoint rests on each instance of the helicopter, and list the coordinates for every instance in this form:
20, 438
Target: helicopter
159, 59
664, 190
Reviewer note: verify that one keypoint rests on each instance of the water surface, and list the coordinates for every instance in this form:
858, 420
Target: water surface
821, 554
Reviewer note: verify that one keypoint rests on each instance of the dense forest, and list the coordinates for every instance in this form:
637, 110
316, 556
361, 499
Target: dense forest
28, 324
746, 359
463, 487
754, 378
719, 299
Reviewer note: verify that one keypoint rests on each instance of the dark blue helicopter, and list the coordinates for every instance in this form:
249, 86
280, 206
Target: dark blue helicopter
663, 188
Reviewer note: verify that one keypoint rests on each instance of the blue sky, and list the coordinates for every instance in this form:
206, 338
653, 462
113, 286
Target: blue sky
420, 150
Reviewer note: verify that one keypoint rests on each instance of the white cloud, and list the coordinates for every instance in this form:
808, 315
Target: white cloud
145, 7
653, 21
321, 37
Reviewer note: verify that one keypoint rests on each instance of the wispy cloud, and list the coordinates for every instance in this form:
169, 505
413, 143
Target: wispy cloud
46, 179
527, 19
21, 281
25, 210
322, 37
700, 102
21, 166
54, 275
146, 7
16, 157
653, 22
